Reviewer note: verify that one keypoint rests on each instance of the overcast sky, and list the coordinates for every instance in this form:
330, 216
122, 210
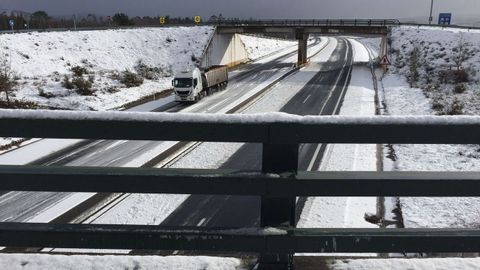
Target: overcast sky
251, 8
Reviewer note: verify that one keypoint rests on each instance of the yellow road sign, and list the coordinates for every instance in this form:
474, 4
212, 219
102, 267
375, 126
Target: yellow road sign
162, 20
197, 19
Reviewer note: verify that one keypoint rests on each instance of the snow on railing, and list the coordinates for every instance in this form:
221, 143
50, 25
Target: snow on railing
261, 118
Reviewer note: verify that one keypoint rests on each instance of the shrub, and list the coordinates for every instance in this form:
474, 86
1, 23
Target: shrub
152, 73
44, 94
18, 104
414, 64
67, 83
79, 71
147, 72
460, 88
454, 76
130, 79
460, 76
8, 83
193, 57
83, 86
455, 109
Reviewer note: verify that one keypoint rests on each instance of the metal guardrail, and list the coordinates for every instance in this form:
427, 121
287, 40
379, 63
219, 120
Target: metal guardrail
310, 23
278, 183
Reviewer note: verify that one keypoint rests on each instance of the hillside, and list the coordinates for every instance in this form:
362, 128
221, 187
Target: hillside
41, 61
434, 72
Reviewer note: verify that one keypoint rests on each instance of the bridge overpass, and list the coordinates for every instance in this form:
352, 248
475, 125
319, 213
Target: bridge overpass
301, 29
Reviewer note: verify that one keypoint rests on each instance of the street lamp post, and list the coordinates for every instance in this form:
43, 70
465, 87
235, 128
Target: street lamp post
430, 19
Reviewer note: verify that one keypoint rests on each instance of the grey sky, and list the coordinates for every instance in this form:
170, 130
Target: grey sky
251, 8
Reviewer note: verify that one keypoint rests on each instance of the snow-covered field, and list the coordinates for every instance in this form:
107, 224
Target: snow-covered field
430, 212
42, 60
438, 54
437, 51
61, 262
410, 264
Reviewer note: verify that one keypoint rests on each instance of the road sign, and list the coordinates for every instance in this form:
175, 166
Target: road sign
384, 61
445, 18
11, 22
162, 20
197, 19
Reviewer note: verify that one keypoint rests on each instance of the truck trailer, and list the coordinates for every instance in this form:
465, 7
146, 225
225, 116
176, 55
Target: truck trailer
192, 86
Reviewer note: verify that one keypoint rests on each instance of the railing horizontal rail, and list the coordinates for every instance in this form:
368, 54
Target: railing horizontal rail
230, 182
311, 22
272, 240
274, 128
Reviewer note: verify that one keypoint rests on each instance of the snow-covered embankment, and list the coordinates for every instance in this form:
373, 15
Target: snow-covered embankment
433, 94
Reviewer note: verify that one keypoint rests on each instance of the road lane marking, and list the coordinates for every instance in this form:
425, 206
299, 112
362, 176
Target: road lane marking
307, 98
315, 155
317, 150
202, 221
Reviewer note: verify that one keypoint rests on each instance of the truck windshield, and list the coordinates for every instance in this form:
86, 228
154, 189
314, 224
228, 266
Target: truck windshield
183, 83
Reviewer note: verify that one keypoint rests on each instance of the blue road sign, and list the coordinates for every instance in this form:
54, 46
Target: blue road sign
11, 22
445, 18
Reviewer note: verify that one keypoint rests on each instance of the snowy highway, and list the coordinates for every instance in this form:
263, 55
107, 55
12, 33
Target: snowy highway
322, 95
32, 206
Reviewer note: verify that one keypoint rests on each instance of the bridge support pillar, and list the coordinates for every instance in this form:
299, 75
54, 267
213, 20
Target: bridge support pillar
302, 38
278, 212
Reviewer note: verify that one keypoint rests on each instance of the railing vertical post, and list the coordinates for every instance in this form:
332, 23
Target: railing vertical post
278, 212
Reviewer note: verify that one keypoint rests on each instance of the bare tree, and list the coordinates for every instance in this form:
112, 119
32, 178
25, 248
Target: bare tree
460, 52
7, 78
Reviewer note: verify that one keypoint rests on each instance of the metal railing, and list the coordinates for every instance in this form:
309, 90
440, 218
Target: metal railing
278, 183
310, 23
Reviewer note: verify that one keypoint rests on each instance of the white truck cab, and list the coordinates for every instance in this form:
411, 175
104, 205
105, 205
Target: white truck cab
188, 85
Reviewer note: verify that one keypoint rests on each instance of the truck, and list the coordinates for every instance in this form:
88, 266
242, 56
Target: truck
192, 86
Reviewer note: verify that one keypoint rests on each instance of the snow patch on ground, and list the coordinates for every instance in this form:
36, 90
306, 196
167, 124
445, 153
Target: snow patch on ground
360, 52
430, 212
372, 45
411, 264
41, 60
59, 262
438, 50
35, 151
259, 46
